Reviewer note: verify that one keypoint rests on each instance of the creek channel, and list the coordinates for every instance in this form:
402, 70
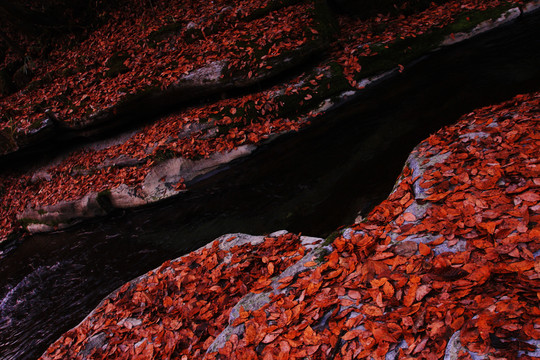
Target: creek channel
312, 181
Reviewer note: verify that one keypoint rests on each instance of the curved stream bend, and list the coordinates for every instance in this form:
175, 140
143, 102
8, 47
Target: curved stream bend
313, 181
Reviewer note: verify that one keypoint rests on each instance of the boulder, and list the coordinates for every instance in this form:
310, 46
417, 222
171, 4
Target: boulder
64, 213
165, 180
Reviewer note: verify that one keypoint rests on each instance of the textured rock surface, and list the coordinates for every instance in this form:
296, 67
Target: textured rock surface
446, 272
161, 183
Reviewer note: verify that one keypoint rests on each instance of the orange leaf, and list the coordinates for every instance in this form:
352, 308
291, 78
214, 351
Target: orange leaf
530, 196
372, 310
436, 329
376, 283
269, 338
310, 337
270, 268
354, 294
490, 226
251, 333
480, 275
381, 334
424, 249
521, 266
457, 323
422, 291
437, 197
410, 295
286, 280
388, 289
353, 334
409, 216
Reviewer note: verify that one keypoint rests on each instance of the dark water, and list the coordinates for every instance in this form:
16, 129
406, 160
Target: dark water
310, 182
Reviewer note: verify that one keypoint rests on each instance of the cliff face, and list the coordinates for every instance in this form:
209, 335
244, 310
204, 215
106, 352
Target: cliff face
446, 267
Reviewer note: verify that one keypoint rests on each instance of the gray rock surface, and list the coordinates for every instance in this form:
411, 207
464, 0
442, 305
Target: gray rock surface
160, 183
506, 17
63, 214
255, 301
419, 164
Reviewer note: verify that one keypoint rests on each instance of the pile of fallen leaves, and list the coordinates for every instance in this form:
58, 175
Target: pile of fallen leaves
137, 50
470, 264
449, 262
203, 130
181, 307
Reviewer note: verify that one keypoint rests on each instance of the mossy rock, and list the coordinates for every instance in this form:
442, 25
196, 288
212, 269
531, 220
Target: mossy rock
325, 21
368, 8
468, 20
403, 51
333, 83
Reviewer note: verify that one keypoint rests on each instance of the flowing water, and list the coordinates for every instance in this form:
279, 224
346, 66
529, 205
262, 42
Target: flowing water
310, 182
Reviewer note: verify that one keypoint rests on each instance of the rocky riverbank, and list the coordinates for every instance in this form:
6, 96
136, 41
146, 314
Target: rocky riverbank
158, 160
446, 267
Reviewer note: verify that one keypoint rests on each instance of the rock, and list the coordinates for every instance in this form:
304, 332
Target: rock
417, 163
40, 175
95, 342
226, 242
121, 161
484, 26
255, 301
123, 197
192, 128
210, 73
531, 6
64, 213
249, 302
474, 135
161, 183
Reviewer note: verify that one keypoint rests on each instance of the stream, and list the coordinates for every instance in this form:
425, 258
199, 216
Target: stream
312, 182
